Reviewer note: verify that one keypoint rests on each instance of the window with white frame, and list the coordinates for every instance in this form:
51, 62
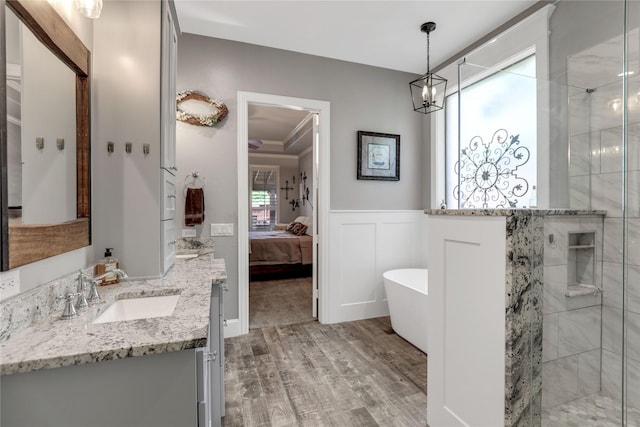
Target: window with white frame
264, 197
493, 164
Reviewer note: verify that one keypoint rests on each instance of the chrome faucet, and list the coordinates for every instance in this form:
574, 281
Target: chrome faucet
69, 308
81, 303
94, 296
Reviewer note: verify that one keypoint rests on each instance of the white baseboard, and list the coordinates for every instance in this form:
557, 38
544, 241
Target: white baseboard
232, 328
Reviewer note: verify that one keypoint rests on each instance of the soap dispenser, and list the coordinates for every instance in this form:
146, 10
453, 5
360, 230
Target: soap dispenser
108, 263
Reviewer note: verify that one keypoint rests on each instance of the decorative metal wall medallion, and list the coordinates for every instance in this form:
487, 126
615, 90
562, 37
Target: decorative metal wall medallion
488, 172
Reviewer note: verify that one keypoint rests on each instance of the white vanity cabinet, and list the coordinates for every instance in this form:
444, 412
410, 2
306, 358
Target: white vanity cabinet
168, 220
168, 243
170, 196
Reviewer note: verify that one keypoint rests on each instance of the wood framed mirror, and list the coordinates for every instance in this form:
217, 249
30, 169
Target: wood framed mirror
26, 243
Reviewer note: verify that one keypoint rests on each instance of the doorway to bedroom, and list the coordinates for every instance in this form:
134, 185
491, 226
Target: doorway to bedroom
280, 231
282, 205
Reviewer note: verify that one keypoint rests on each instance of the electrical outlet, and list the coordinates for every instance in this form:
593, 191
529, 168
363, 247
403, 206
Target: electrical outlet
222, 229
188, 232
9, 284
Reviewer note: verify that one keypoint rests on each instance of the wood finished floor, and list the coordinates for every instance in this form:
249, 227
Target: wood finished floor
280, 302
309, 374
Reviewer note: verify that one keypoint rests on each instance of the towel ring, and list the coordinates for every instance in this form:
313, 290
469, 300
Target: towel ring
197, 181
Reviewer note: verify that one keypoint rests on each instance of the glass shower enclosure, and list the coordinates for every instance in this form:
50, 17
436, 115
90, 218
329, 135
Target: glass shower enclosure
556, 128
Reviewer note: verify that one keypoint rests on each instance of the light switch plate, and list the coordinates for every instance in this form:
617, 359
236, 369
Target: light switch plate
188, 232
222, 229
9, 284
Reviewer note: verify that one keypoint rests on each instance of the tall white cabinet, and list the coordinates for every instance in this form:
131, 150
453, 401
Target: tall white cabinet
133, 101
169, 54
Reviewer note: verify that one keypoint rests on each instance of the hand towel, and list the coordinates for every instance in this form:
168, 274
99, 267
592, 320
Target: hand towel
194, 207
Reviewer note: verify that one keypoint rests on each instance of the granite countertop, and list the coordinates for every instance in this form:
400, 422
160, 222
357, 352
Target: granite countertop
53, 343
510, 212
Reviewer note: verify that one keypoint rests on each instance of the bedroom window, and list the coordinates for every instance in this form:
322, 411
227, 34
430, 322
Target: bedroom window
495, 164
264, 197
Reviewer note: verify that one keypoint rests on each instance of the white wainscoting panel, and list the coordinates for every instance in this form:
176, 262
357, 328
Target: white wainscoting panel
362, 246
466, 321
358, 245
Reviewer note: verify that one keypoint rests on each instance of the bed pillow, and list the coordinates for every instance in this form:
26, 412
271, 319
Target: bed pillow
291, 225
298, 229
302, 230
308, 221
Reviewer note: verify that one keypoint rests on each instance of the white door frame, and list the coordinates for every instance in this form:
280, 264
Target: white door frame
321, 211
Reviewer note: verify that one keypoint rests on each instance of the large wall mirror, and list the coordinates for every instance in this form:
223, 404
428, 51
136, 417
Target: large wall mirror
44, 139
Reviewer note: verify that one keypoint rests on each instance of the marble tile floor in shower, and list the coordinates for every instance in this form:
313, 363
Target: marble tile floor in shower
590, 411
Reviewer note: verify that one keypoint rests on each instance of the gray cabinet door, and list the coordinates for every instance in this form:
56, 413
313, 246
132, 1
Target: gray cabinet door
221, 324
216, 357
149, 391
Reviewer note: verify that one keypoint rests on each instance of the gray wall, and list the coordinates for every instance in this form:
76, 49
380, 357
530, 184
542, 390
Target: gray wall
306, 166
285, 213
126, 108
426, 166
361, 97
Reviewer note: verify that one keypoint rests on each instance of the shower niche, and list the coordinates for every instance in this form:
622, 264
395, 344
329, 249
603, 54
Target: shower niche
581, 263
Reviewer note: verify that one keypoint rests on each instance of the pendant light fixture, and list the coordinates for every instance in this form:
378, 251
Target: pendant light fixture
427, 91
90, 8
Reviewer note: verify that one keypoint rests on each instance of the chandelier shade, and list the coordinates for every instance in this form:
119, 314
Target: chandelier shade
90, 8
428, 91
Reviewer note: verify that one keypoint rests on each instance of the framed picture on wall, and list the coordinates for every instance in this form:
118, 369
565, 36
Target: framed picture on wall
378, 156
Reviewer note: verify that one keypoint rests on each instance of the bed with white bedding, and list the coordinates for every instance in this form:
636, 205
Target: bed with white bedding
281, 253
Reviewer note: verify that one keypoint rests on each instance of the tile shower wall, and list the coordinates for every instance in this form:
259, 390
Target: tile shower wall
571, 325
597, 174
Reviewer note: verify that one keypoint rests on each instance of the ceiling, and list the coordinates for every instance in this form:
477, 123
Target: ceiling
281, 130
379, 33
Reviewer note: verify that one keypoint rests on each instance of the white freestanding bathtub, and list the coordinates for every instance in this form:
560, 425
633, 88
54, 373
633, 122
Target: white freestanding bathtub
407, 291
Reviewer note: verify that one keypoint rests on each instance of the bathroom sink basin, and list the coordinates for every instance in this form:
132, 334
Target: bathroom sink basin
139, 308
